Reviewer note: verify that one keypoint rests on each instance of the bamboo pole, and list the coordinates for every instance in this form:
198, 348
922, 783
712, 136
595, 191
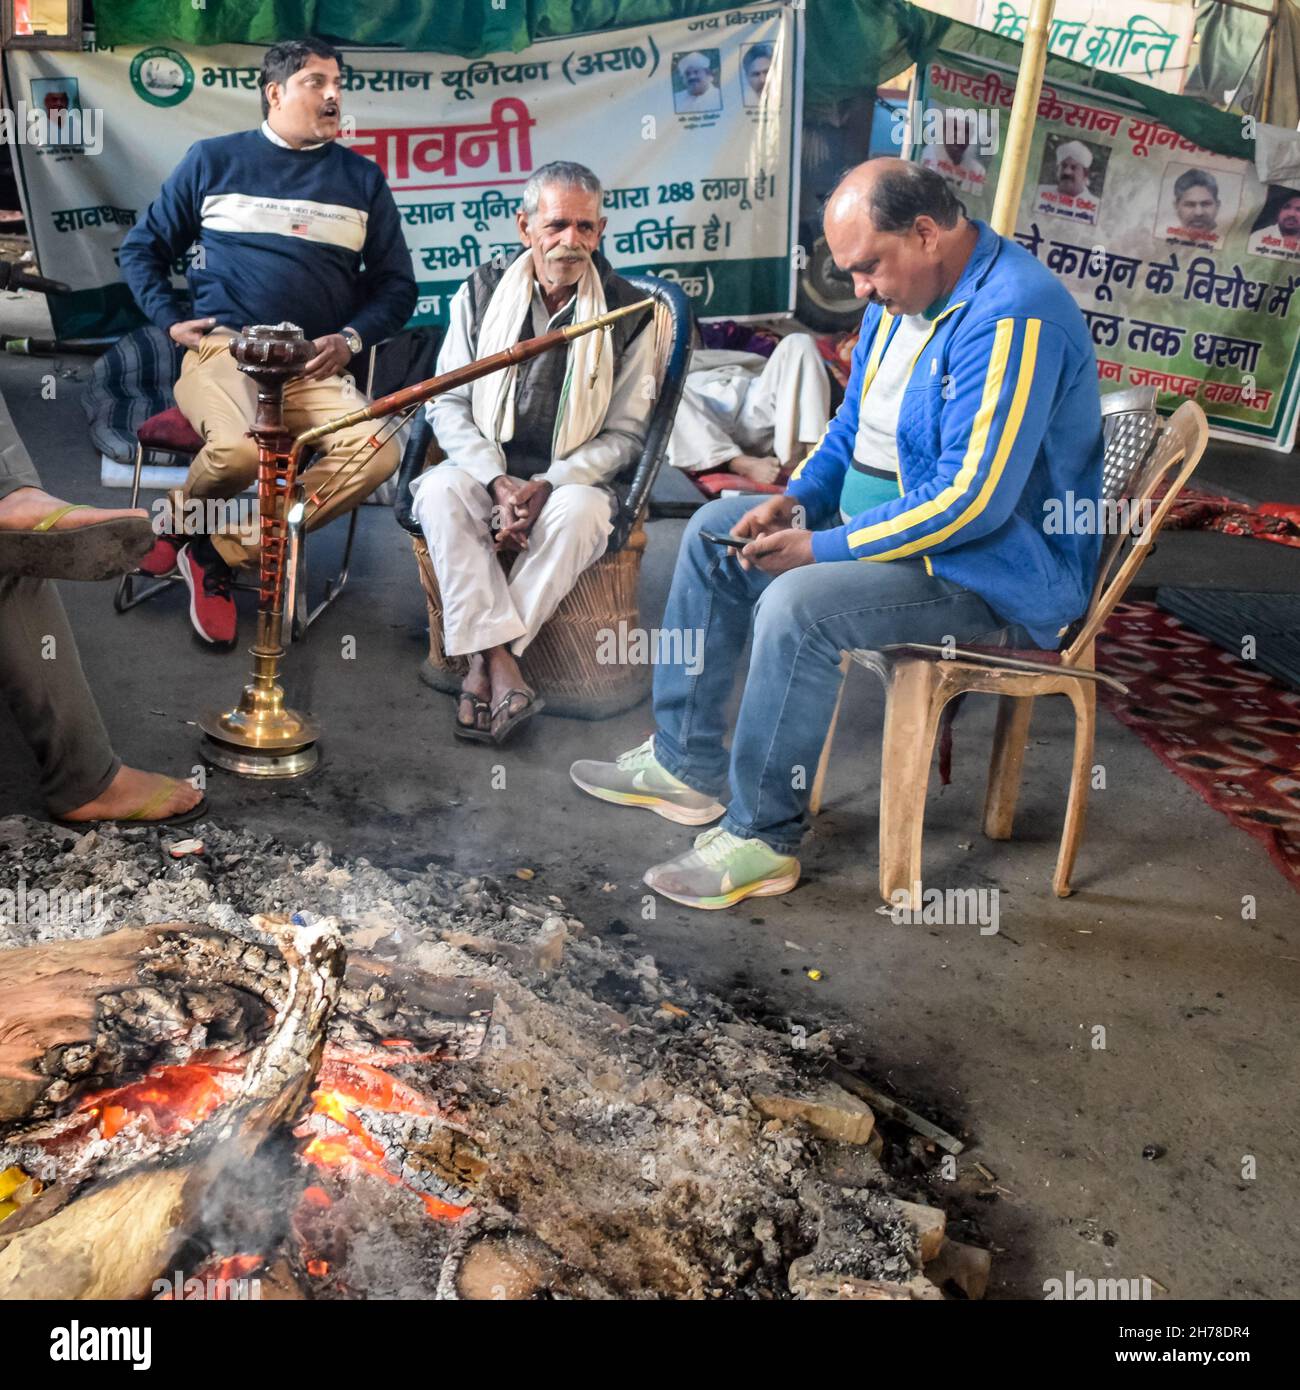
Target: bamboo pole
1265, 103
1024, 112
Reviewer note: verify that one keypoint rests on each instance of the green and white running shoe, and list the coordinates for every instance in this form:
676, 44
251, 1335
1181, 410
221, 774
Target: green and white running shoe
722, 869
636, 779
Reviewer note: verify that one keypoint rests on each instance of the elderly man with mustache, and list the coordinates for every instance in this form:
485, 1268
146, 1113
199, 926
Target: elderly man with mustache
290, 225
531, 451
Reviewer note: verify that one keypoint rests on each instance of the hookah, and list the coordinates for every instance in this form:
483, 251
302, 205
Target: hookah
261, 736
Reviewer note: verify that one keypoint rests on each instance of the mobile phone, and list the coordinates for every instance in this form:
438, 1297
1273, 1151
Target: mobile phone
735, 542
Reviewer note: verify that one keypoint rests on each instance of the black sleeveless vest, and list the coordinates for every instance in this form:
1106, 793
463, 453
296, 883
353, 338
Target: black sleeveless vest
539, 381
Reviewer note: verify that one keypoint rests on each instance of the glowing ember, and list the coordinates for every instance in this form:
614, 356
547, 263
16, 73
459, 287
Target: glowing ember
318, 1269
317, 1197
331, 1151
174, 1098
357, 1085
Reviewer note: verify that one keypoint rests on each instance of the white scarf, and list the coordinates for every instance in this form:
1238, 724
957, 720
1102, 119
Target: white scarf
589, 372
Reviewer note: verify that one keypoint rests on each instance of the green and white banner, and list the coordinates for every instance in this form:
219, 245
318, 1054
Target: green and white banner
1184, 263
692, 126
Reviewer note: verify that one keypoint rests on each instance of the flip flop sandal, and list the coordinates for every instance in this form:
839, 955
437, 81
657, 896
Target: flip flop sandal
534, 706
471, 733
101, 550
141, 816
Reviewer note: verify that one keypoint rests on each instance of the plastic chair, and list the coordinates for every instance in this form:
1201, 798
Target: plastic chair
169, 436
920, 680
561, 662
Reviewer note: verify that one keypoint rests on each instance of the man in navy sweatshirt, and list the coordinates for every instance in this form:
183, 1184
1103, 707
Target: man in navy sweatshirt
289, 225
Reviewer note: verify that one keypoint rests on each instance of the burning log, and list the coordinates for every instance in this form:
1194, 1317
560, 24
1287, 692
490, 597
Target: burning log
82, 1014
110, 1242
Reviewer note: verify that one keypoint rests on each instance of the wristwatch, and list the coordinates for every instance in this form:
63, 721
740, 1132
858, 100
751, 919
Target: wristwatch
353, 339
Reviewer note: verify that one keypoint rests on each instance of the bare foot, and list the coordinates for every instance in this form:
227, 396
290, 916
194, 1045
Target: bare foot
130, 790
24, 507
757, 470
505, 674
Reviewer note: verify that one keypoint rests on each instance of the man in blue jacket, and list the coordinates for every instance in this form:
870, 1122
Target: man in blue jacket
919, 517
289, 225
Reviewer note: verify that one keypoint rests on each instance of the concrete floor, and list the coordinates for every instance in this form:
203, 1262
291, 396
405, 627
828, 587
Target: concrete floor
987, 1034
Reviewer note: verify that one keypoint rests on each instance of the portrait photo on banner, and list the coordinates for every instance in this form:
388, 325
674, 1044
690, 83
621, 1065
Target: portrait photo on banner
1197, 206
1071, 179
756, 61
697, 81
1276, 231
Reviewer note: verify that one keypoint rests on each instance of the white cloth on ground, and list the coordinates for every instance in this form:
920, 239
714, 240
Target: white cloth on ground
742, 403
482, 607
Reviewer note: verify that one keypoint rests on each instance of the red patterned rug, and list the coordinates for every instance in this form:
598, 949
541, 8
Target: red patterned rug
1228, 730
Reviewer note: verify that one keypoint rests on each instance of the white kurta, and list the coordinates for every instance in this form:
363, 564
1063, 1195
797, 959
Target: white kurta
481, 607
741, 403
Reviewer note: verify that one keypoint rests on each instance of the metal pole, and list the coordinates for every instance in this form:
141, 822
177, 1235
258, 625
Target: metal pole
1024, 112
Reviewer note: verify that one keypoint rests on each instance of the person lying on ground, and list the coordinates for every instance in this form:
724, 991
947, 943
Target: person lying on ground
753, 416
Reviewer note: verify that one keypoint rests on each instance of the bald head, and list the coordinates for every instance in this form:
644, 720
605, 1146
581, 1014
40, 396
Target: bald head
898, 231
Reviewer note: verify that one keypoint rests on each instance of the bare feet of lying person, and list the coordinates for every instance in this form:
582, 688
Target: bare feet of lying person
43, 537
143, 798
757, 470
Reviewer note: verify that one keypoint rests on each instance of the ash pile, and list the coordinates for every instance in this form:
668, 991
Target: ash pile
266, 1068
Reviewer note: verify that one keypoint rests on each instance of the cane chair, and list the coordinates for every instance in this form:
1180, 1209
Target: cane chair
169, 438
561, 662
920, 680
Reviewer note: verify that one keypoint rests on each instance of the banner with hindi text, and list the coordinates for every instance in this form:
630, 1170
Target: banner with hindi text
1183, 262
692, 126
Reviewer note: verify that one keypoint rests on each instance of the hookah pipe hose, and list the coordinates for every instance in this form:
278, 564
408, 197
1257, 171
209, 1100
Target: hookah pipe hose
405, 402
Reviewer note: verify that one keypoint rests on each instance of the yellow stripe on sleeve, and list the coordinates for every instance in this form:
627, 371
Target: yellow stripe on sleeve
975, 449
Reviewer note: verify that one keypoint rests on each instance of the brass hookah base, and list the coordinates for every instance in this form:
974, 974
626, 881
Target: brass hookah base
260, 737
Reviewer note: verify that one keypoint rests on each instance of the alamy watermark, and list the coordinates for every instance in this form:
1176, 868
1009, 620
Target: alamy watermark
946, 907
1096, 516
61, 128
656, 646
951, 127
62, 907
1081, 1288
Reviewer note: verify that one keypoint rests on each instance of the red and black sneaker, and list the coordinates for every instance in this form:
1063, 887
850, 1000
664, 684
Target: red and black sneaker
209, 580
161, 560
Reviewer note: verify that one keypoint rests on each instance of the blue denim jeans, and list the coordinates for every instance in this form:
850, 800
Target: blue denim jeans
803, 620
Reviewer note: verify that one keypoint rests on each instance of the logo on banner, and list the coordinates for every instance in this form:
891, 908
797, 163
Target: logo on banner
161, 76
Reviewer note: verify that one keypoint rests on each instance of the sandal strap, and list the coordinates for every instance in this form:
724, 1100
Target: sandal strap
47, 523
504, 702
154, 802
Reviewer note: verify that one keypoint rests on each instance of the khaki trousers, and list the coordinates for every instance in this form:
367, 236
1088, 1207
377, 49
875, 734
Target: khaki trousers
220, 402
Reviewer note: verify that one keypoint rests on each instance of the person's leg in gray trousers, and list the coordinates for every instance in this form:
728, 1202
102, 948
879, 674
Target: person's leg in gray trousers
41, 679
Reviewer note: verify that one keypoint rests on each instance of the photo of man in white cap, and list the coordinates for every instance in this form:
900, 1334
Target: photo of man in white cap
1068, 182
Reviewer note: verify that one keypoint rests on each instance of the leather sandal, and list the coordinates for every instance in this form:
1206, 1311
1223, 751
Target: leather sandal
101, 550
479, 731
504, 722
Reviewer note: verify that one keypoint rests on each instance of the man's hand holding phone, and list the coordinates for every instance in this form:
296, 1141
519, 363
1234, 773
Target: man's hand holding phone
775, 545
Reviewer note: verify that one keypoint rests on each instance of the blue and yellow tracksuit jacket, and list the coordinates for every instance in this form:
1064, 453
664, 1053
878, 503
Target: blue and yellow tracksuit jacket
1001, 412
